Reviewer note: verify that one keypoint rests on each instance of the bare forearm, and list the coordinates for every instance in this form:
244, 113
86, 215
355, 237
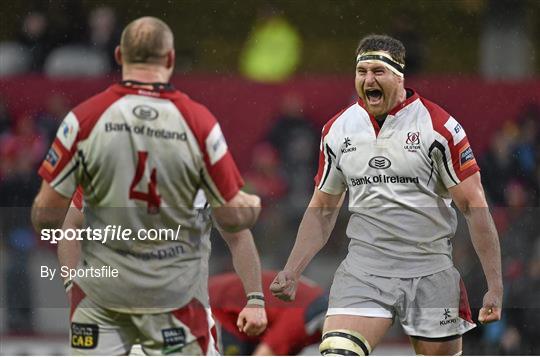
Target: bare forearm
69, 251
245, 259
314, 231
486, 244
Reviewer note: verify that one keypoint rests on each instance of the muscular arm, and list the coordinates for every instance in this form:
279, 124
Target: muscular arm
49, 208
469, 198
315, 228
317, 224
240, 213
245, 259
252, 319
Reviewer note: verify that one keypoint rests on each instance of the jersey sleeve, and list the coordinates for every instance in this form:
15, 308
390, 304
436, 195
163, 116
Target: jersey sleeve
329, 177
219, 175
453, 156
60, 165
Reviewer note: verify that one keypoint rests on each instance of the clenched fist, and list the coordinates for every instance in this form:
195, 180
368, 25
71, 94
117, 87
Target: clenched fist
284, 285
252, 320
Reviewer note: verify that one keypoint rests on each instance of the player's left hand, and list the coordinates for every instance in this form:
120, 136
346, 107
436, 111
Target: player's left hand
491, 309
252, 320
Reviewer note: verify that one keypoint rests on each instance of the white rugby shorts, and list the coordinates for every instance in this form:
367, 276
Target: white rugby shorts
431, 306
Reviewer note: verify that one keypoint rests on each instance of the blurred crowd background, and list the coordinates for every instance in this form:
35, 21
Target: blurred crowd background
290, 65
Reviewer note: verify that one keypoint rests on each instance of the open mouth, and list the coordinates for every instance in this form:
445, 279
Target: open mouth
374, 96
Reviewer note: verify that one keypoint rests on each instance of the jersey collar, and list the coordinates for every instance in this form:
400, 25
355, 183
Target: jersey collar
156, 93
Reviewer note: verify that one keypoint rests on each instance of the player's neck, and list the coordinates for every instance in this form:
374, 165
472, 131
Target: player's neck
145, 74
401, 97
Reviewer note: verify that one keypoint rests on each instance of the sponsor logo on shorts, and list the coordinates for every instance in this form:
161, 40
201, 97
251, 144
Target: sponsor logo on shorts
174, 340
348, 146
84, 336
447, 320
379, 162
446, 313
412, 143
145, 112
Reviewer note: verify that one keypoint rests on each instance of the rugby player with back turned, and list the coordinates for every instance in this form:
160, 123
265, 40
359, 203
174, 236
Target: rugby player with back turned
403, 160
142, 151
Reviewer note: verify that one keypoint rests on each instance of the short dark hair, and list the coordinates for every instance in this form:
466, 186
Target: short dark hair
146, 40
374, 42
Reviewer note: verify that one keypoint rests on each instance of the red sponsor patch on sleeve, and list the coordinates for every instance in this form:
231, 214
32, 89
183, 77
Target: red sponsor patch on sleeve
466, 157
54, 156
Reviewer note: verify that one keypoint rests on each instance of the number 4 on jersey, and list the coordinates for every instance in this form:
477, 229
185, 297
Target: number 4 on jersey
151, 197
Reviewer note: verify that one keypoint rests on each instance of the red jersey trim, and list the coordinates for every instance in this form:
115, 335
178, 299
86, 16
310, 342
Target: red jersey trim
224, 173
90, 111
77, 198
194, 316
49, 171
122, 90
375, 124
405, 103
87, 114
439, 117
77, 295
464, 308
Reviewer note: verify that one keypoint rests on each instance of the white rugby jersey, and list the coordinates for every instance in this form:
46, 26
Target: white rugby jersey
140, 157
398, 178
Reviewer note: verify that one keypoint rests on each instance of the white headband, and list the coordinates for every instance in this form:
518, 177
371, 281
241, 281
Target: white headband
382, 58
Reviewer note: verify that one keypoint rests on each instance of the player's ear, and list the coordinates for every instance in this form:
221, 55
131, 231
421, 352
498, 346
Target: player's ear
171, 58
118, 55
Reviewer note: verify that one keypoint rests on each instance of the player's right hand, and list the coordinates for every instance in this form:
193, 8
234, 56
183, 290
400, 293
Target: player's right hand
491, 309
252, 320
284, 285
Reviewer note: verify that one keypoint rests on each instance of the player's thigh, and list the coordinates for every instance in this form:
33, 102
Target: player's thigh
448, 346
98, 331
188, 330
372, 329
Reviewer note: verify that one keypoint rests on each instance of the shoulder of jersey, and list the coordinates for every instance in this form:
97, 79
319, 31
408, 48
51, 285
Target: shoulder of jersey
88, 112
438, 116
191, 109
344, 117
